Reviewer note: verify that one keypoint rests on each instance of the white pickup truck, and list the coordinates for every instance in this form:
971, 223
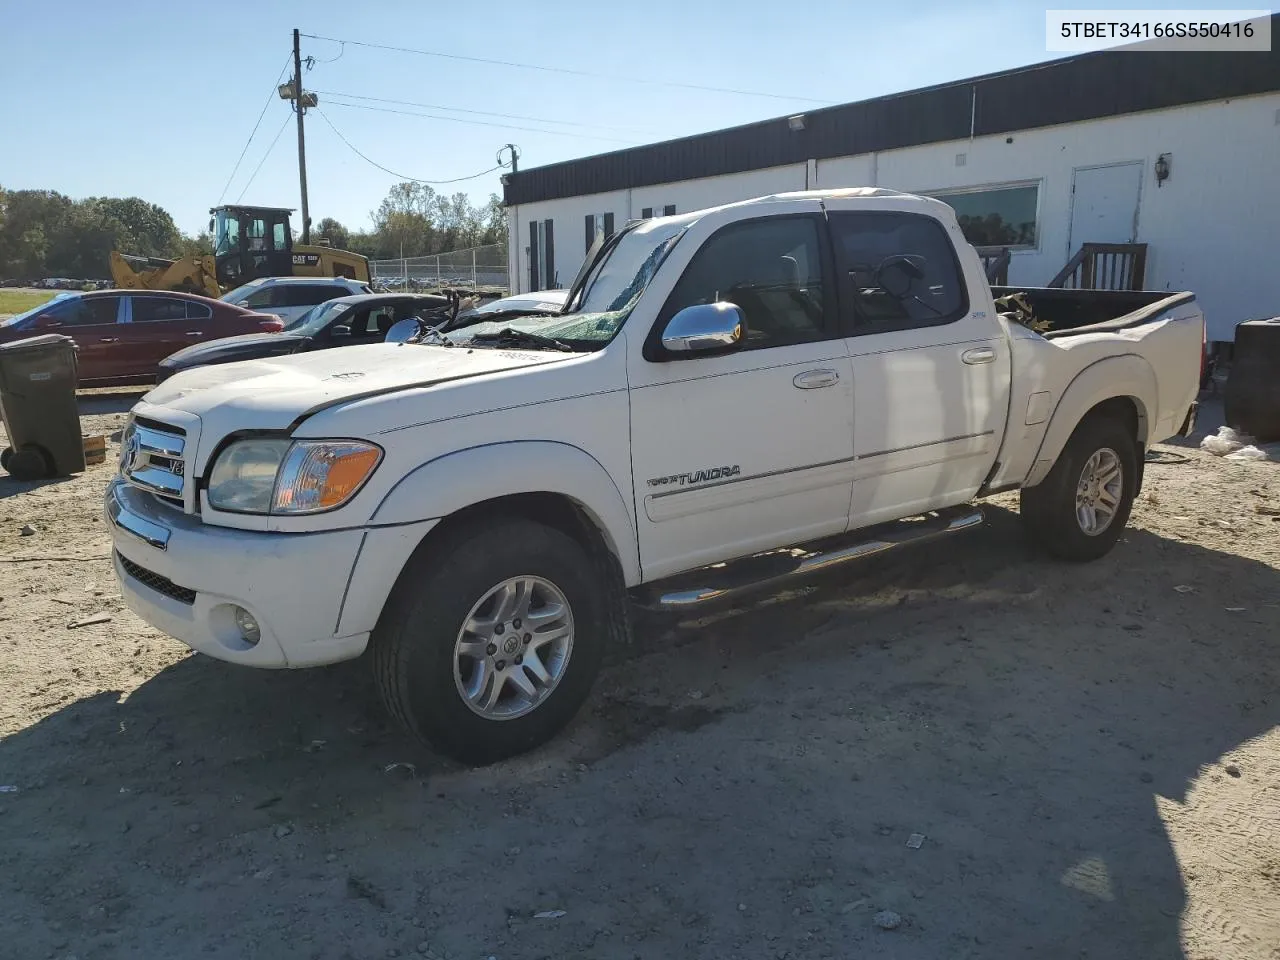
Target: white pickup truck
731, 398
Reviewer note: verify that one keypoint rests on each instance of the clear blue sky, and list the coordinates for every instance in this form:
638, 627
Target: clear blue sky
157, 99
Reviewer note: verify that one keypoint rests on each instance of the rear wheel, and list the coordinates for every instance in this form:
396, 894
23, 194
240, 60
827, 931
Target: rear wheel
492, 638
1080, 509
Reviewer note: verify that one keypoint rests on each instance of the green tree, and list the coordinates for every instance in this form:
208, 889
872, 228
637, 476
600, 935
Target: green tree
149, 230
338, 235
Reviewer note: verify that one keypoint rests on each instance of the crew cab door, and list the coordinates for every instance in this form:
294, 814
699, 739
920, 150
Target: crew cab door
92, 323
930, 362
740, 452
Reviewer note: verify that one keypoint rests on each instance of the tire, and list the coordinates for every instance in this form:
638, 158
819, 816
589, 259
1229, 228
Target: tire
28, 463
1051, 511
442, 692
5, 454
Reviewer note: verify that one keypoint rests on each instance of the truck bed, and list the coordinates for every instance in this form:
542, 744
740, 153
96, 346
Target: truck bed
1070, 312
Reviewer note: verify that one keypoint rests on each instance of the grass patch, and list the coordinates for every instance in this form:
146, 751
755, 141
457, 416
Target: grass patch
20, 301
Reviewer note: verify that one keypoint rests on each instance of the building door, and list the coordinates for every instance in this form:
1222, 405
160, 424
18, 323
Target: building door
542, 256
1104, 204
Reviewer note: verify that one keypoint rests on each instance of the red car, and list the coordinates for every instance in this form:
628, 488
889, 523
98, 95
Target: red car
124, 334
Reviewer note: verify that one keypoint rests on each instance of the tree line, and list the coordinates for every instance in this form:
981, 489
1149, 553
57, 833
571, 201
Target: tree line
44, 233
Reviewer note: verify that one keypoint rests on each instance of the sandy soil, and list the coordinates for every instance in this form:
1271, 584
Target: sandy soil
1092, 755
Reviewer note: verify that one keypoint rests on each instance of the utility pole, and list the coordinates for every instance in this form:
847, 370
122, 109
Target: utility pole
302, 137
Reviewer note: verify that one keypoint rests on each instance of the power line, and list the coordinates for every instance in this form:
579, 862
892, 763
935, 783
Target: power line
479, 123
263, 160
402, 176
478, 113
565, 70
271, 96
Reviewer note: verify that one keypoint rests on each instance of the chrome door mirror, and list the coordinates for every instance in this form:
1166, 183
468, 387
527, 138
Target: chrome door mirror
706, 328
407, 330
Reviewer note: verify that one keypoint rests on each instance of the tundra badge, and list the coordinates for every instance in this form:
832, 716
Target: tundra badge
698, 476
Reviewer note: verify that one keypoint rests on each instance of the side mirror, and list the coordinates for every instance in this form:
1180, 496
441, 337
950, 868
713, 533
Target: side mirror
404, 331
341, 330
47, 321
705, 328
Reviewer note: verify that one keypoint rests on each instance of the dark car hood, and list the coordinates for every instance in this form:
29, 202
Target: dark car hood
250, 346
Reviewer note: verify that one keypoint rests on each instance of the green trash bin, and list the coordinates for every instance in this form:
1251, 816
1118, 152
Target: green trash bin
38, 405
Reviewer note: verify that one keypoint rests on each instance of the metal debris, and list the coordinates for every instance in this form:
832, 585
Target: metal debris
103, 617
915, 840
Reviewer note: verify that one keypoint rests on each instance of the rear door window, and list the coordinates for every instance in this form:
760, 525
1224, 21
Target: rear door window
306, 294
158, 309
198, 311
896, 271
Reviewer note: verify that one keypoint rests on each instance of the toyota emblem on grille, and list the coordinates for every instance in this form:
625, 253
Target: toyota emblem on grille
129, 451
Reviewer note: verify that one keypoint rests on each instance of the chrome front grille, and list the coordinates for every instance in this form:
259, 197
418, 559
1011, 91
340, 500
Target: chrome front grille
151, 457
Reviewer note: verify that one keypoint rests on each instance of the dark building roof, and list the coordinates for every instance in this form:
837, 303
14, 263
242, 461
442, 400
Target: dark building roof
1085, 87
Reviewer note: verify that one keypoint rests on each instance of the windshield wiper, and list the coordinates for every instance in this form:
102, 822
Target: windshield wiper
509, 335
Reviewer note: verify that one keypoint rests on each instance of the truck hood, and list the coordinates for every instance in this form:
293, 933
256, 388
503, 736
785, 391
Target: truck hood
278, 392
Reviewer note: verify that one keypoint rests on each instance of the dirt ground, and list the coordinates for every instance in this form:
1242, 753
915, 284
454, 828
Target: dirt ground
1092, 755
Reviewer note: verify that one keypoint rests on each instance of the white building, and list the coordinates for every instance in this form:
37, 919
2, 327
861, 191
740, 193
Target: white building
1179, 151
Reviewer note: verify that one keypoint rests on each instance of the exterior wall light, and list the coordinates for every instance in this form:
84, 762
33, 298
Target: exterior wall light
1162, 169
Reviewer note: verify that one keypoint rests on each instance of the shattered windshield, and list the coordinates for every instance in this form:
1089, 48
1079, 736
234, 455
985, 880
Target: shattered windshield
611, 291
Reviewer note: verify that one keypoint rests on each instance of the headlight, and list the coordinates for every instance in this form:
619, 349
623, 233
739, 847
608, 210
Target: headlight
280, 476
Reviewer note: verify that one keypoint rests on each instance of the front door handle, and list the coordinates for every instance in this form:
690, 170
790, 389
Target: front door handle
815, 379
109, 340
978, 355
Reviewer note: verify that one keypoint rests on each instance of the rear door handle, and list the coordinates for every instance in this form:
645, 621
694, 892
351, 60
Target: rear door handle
109, 340
978, 355
815, 379
195, 333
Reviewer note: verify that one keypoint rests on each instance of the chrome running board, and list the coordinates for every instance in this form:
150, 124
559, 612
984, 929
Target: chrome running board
776, 569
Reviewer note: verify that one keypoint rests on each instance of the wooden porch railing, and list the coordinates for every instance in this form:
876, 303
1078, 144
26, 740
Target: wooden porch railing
995, 264
1105, 266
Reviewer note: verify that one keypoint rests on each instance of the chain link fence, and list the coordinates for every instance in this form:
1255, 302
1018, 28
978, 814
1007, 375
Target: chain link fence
477, 268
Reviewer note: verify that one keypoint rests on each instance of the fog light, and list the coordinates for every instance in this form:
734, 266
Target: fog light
250, 632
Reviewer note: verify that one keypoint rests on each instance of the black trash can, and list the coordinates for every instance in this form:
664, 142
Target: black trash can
1251, 397
38, 404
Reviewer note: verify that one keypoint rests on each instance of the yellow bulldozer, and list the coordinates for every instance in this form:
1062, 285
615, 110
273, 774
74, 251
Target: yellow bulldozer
248, 242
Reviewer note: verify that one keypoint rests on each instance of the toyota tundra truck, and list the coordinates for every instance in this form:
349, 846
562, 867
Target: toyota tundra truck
730, 399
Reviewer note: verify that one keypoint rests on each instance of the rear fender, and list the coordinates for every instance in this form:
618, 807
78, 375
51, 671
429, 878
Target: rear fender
1126, 376
444, 486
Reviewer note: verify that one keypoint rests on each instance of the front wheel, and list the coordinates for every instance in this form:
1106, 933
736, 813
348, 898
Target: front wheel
492, 638
1080, 509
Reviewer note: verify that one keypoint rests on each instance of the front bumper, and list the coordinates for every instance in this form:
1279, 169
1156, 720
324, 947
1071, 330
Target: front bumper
186, 578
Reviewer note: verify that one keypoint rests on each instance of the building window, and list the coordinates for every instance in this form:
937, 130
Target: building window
599, 226
669, 210
542, 255
646, 213
997, 216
